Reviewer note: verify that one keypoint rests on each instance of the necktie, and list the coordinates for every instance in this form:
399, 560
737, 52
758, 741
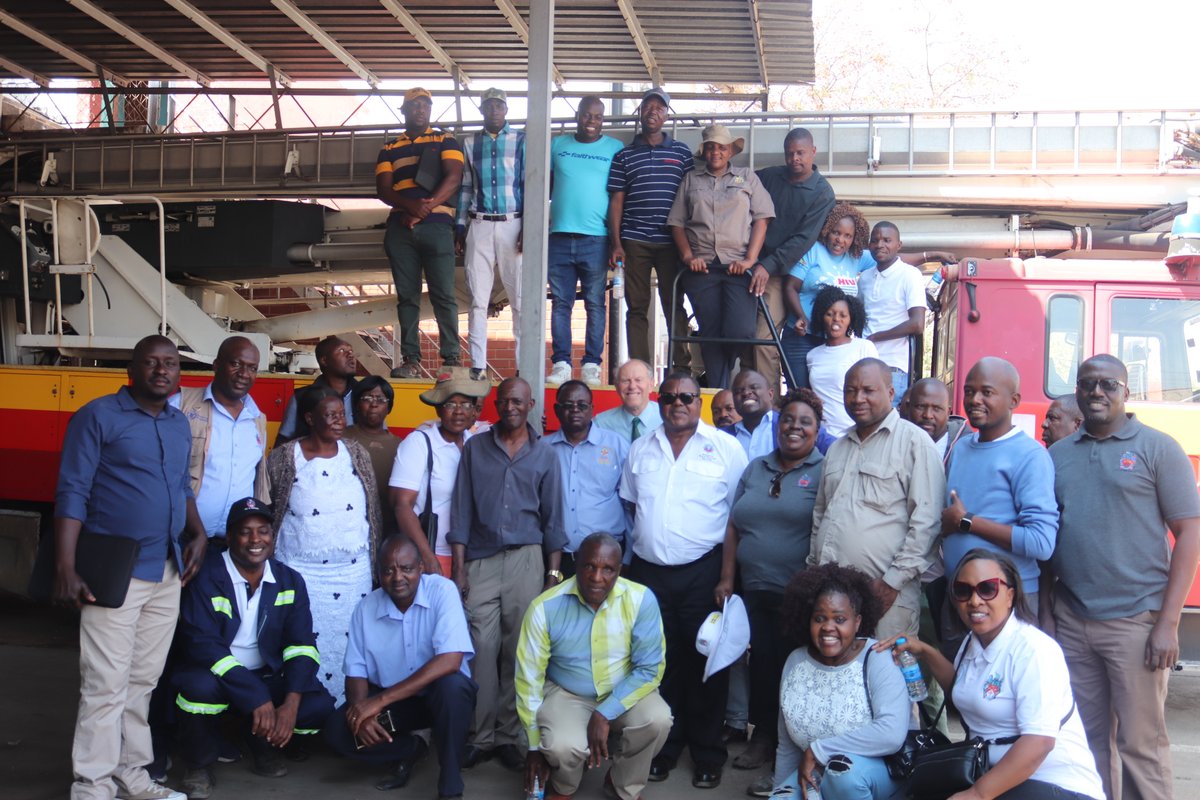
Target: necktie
637, 429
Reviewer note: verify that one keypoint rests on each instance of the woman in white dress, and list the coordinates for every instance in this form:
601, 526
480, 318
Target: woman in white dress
840, 319
327, 516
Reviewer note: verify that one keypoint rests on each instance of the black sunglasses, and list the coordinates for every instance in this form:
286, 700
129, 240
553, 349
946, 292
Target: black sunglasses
987, 590
776, 485
668, 399
1109, 385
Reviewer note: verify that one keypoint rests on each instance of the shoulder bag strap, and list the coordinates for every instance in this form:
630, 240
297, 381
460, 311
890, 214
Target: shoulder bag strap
427, 512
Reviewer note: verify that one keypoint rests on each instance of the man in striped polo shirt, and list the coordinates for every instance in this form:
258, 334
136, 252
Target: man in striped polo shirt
642, 184
421, 189
489, 219
590, 658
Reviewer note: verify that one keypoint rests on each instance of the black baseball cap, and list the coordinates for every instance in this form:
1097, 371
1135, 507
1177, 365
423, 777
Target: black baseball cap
247, 507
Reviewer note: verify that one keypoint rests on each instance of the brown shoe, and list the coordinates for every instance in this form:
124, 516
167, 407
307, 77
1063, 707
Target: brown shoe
759, 752
409, 369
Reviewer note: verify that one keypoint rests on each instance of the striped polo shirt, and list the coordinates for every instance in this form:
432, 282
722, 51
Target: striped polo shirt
649, 175
400, 158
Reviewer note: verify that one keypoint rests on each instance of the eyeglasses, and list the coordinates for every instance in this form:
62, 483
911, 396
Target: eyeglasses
1109, 385
582, 405
373, 399
776, 485
455, 405
668, 399
987, 590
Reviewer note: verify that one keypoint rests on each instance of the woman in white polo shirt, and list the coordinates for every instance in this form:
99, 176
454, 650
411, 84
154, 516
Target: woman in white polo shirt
1012, 685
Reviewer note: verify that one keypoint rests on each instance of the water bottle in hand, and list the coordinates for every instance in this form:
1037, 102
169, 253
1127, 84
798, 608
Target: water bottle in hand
618, 283
537, 792
917, 691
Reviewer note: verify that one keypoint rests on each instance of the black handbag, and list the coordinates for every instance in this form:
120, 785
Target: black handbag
427, 519
900, 764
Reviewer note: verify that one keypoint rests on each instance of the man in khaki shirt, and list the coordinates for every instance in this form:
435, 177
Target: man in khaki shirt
880, 500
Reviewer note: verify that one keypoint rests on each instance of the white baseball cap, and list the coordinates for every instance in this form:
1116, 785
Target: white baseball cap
724, 636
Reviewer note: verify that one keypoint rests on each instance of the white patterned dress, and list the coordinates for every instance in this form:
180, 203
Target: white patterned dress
325, 536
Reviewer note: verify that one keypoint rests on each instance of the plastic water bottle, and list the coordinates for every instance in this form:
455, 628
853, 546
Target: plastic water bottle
618, 290
934, 287
917, 691
537, 792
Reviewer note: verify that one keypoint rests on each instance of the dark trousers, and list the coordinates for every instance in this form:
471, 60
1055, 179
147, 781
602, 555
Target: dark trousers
201, 700
428, 249
685, 596
1040, 790
795, 350
447, 707
642, 259
724, 308
768, 652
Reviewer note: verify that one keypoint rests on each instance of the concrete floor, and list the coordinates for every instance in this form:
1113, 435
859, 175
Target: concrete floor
39, 682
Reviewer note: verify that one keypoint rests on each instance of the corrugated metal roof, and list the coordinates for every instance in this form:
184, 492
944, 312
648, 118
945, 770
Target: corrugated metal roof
692, 42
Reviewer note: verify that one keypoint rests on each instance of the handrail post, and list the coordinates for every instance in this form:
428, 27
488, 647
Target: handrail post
24, 263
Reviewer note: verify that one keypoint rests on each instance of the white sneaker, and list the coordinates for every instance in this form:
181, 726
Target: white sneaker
560, 374
591, 374
155, 791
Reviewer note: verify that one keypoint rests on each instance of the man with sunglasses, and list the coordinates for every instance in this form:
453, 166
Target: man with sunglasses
679, 483
1118, 588
591, 459
1000, 492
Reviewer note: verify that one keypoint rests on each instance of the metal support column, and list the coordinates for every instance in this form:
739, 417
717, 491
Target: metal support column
531, 360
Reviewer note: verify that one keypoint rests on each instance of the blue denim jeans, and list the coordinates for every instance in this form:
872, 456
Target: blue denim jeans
848, 778
577, 258
900, 384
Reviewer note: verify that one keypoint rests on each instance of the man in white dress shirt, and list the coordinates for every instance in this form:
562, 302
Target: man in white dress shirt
679, 482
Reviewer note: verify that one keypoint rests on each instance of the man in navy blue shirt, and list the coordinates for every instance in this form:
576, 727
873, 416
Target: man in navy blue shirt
642, 184
124, 472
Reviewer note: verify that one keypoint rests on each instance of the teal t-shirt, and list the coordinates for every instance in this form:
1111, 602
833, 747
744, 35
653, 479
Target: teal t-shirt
579, 196
819, 268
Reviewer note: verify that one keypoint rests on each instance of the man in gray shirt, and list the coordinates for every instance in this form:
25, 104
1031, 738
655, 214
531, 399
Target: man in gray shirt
507, 536
1120, 587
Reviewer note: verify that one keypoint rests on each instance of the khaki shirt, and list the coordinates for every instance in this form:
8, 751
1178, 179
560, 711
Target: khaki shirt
716, 212
879, 505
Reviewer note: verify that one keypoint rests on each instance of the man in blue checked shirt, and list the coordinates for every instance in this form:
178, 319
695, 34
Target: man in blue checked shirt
591, 459
589, 661
489, 219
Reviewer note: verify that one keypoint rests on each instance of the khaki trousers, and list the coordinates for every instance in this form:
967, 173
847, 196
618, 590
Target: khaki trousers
563, 720
1121, 702
641, 259
121, 656
898, 621
766, 357
501, 588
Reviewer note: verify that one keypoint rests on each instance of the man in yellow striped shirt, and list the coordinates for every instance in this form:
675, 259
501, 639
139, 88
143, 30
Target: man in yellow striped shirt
418, 174
589, 660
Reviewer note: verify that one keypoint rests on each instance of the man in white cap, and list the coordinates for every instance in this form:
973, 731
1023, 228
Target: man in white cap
589, 660
679, 483
490, 205
642, 184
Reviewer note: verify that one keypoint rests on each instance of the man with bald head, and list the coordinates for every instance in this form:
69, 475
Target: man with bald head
879, 498
929, 405
1063, 418
124, 473
636, 416
506, 535
1000, 488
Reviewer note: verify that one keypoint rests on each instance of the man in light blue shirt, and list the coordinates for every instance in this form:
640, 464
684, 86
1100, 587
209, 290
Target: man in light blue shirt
229, 436
636, 416
406, 669
755, 401
591, 459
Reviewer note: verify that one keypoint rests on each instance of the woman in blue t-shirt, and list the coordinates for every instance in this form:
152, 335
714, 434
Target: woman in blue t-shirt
836, 259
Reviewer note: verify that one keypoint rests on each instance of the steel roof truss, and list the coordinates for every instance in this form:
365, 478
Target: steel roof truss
325, 40
121, 29
52, 44
427, 41
518, 24
226, 38
639, 39
27, 74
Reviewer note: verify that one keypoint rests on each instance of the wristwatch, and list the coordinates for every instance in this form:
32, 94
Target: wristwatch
964, 524
553, 573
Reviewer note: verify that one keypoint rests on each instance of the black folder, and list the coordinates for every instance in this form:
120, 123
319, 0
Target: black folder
429, 169
104, 562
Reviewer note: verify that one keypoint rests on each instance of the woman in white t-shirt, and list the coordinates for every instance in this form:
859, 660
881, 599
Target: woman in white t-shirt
1012, 689
840, 318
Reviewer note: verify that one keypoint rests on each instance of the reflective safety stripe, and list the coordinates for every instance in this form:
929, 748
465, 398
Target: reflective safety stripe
305, 731
224, 665
199, 708
222, 606
301, 650
286, 597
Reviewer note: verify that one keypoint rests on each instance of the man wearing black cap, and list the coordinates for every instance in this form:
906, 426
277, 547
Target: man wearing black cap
248, 642
418, 174
642, 183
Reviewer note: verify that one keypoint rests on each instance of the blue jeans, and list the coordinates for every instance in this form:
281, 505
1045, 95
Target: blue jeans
578, 258
795, 350
899, 384
848, 778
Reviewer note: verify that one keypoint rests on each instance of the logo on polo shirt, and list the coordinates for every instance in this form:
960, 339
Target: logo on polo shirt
1128, 461
605, 457
991, 686
804, 481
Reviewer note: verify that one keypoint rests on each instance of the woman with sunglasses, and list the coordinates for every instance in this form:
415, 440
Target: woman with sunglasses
842, 707
767, 541
1011, 686
372, 399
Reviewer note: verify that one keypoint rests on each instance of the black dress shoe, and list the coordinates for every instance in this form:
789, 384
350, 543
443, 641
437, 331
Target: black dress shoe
510, 757
660, 768
404, 767
732, 735
706, 779
474, 755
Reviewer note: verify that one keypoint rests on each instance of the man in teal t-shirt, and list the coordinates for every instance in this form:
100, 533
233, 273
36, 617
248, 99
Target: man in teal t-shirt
578, 251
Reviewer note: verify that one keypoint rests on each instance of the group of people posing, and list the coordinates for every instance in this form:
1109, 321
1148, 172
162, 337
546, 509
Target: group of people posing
536, 599
732, 237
